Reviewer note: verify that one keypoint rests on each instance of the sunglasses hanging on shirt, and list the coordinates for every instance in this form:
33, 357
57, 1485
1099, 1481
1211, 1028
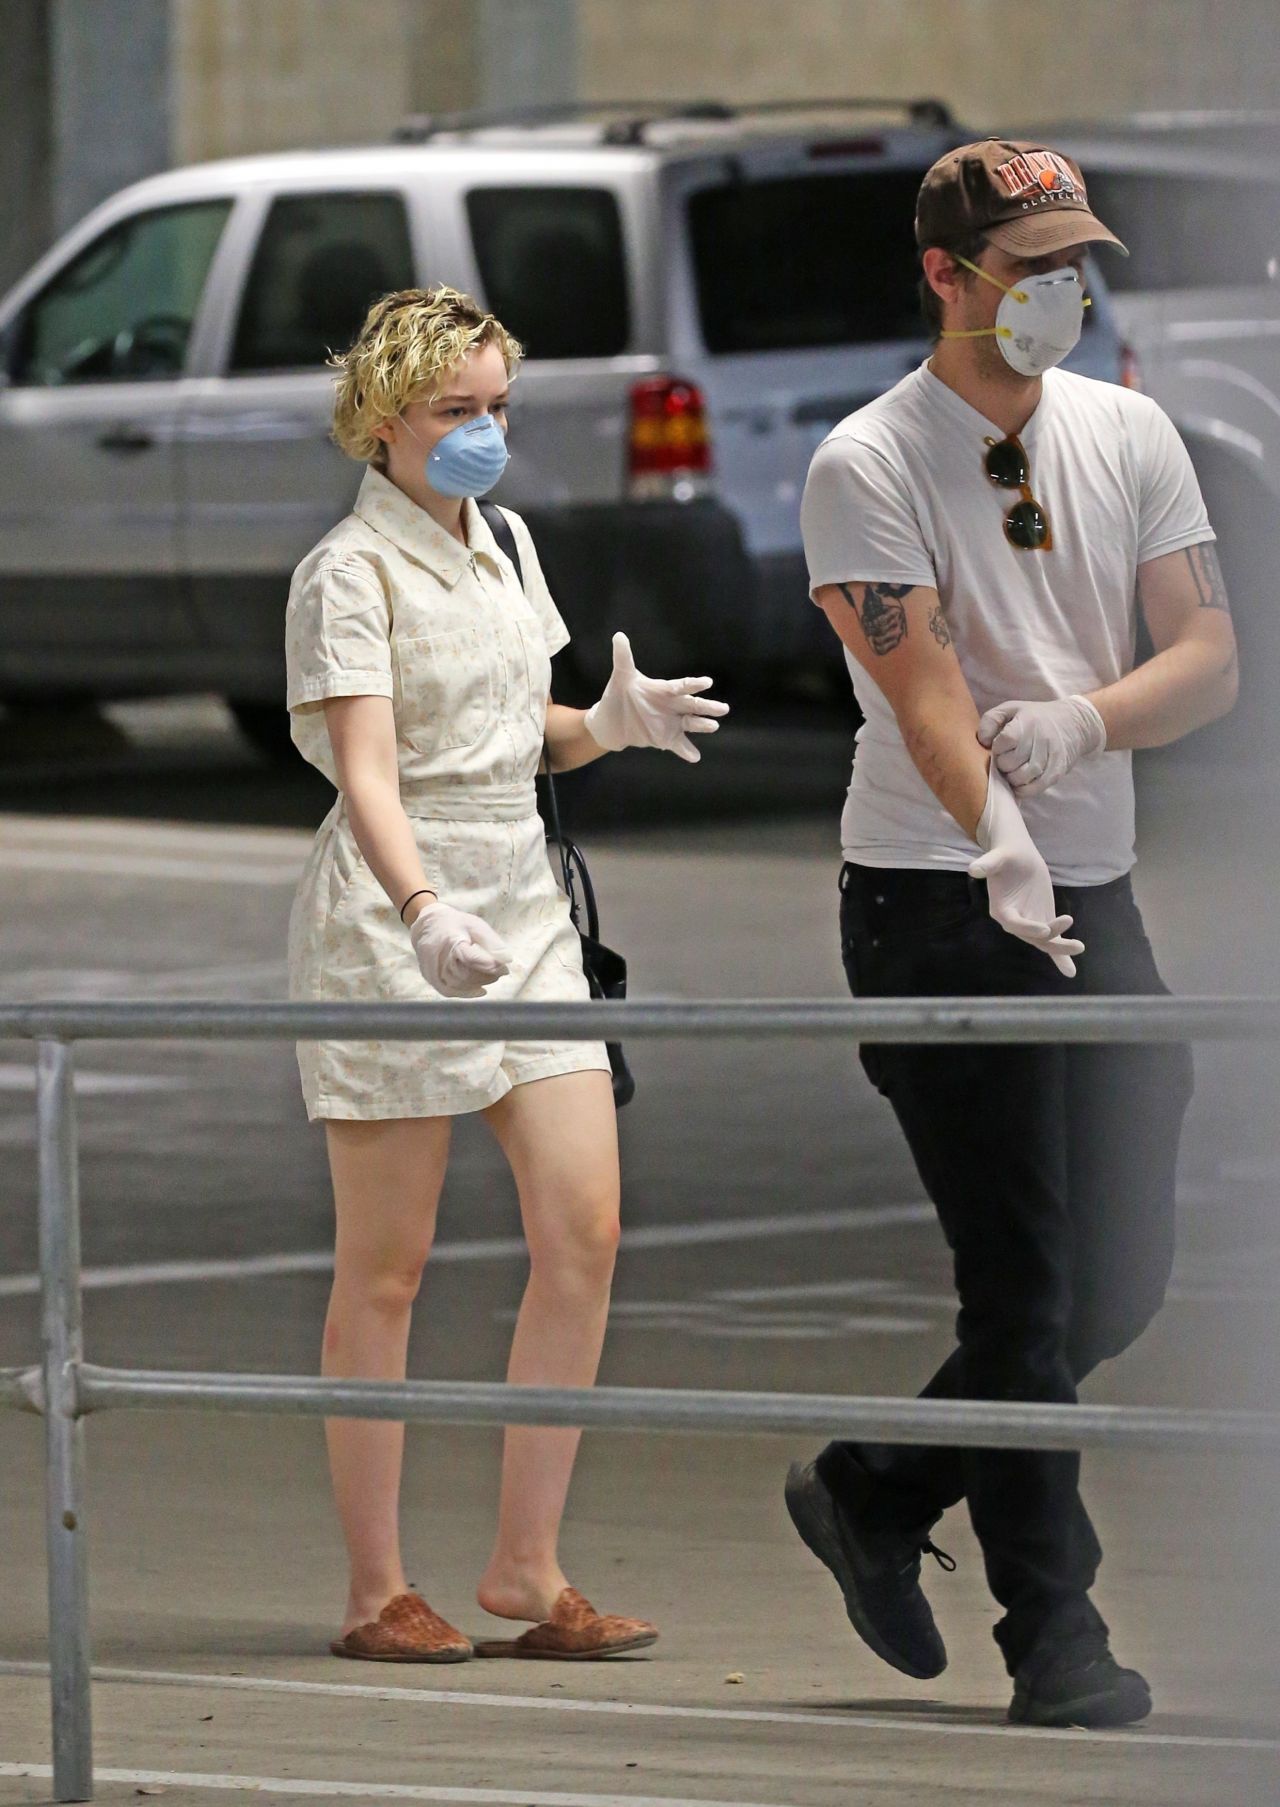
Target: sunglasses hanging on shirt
1026, 525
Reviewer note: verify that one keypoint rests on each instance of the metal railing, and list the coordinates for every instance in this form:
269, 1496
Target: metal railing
65, 1388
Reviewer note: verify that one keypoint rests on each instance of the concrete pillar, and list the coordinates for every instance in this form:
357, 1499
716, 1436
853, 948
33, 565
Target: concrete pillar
25, 204
109, 99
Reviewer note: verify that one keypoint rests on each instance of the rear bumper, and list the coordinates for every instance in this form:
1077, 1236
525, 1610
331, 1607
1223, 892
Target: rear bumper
677, 577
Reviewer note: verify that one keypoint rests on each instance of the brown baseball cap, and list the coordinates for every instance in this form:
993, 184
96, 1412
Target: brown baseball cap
1025, 198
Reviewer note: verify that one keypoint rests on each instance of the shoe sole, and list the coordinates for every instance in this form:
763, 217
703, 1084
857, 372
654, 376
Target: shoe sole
1101, 1711
453, 1655
500, 1647
817, 1528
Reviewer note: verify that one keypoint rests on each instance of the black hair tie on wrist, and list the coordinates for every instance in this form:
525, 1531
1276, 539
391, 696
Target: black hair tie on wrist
425, 892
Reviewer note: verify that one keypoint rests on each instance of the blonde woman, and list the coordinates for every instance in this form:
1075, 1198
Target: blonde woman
418, 683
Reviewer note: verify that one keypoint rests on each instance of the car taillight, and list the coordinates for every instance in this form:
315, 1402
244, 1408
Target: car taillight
670, 448
1130, 369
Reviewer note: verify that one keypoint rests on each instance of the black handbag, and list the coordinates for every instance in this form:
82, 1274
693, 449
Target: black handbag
605, 969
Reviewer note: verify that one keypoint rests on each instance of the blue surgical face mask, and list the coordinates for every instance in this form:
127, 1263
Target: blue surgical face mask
469, 460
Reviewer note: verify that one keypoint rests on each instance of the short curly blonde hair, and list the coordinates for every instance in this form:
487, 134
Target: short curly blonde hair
408, 341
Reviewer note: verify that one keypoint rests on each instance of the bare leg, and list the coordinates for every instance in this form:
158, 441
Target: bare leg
387, 1178
560, 1136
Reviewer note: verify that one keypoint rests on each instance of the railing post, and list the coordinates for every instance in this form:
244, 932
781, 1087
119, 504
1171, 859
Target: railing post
64, 1433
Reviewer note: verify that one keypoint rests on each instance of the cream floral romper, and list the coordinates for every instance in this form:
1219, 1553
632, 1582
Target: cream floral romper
389, 604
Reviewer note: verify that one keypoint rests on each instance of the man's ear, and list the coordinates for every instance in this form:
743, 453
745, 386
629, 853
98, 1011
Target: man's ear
944, 275
385, 431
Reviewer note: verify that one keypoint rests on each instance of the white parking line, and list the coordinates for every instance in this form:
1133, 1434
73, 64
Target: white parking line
266, 978
114, 832
487, 1248
215, 869
531, 1796
854, 1720
14, 1077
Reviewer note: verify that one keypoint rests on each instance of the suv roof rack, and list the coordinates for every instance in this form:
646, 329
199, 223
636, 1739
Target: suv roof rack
638, 115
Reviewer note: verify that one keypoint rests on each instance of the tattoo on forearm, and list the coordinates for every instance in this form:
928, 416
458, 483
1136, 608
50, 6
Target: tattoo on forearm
882, 617
1207, 573
938, 626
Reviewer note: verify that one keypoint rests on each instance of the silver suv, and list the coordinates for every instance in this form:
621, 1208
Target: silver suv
703, 294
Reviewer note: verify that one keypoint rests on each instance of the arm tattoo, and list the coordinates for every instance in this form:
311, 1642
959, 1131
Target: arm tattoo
882, 617
1207, 573
938, 626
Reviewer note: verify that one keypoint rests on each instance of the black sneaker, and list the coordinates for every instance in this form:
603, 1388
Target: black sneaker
878, 1572
1075, 1680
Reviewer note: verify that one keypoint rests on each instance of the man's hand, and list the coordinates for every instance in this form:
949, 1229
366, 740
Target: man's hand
1019, 889
1035, 744
636, 711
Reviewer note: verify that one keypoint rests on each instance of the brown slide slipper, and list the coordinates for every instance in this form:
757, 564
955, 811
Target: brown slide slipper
575, 1632
405, 1631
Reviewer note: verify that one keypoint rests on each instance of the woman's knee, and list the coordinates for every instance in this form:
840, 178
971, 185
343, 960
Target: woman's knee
385, 1286
577, 1247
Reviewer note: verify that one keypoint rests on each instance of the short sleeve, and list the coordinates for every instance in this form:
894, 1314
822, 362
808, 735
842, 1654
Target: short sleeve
535, 586
337, 633
859, 521
1171, 510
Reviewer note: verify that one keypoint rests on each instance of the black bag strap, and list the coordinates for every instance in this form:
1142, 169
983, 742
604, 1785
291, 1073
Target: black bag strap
500, 527
571, 860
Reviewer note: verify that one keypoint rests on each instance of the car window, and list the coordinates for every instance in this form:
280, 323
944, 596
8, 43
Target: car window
321, 260
803, 261
553, 268
1187, 232
122, 310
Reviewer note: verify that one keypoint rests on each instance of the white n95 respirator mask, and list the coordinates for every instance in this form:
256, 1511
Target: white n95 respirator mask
1038, 324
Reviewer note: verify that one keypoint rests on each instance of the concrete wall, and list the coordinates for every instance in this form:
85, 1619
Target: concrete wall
94, 93
264, 76
993, 60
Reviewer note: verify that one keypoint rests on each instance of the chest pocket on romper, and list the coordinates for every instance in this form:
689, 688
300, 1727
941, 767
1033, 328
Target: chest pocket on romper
445, 689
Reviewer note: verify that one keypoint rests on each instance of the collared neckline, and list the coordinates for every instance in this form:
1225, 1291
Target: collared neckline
385, 508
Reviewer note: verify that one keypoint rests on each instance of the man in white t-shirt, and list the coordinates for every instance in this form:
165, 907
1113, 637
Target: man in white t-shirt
981, 539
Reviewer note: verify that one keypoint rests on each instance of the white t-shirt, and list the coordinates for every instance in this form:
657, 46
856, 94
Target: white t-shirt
898, 493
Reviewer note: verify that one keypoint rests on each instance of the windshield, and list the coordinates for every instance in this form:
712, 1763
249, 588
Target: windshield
798, 262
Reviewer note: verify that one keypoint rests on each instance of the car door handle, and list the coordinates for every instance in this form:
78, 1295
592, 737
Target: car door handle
126, 439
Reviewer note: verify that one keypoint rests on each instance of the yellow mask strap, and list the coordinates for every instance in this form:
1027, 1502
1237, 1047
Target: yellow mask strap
985, 332
1018, 294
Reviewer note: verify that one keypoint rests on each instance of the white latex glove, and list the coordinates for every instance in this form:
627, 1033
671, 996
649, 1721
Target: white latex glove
636, 711
1033, 744
458, 953
1019, 889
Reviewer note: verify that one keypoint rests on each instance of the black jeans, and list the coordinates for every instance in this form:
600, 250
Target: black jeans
1052, 1171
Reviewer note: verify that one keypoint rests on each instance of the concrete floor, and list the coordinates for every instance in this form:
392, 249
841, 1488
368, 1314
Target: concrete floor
215, 1561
